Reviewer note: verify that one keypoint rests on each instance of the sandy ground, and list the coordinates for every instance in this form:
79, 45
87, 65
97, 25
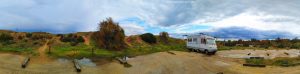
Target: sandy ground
157, 63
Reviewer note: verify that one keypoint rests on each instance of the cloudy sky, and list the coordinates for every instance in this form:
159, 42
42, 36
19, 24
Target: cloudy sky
221, 18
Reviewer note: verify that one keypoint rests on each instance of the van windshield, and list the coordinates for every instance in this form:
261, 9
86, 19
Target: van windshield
211, 41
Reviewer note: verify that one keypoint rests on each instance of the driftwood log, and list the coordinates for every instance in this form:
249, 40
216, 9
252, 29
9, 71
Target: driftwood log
25, 63
171, 52
76, 65
122, 61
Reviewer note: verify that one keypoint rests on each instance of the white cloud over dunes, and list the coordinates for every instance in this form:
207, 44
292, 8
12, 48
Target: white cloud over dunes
174, 16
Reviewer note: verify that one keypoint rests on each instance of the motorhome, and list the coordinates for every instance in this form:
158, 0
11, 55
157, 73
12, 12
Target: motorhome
201, 43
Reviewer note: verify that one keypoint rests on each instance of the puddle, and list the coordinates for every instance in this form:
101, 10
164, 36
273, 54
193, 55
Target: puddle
86, 62
63, 60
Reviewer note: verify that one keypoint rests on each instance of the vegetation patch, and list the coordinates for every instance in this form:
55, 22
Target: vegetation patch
148, 37
278, 43
284, 62
255, 61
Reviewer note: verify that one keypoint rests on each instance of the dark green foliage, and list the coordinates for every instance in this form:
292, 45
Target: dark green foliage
280, 45
284, 63
256, 61
67, 38
28, 35
295, 46
73, 39
149, 38
80, 39
110, 35
6, 38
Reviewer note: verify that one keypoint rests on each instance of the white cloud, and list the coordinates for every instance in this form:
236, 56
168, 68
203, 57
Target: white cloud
250, 20
172, 15
132, 29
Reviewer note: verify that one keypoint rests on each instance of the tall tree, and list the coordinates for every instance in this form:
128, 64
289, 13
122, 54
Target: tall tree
163, 37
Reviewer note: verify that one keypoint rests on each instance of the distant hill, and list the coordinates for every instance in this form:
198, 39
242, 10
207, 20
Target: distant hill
6, 31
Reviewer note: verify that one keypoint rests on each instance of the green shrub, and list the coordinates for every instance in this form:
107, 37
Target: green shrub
284, 63
295, 46
110, 35
28, 35
255, 61
67, 38
80, 39
73, 39
6, 38
148, 37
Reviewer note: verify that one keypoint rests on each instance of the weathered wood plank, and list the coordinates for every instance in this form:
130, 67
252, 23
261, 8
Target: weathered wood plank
25, 63
256, 57
254, 65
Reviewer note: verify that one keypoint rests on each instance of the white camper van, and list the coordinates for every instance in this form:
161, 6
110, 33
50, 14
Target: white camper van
201, 43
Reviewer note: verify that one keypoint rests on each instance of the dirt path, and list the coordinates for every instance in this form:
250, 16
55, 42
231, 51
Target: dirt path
42, 58
86, 40
157, 63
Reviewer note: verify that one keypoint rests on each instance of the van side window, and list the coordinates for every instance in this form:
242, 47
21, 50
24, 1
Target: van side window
189, 40
203, 41
195, 40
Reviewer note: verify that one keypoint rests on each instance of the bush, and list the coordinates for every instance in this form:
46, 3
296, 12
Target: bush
295, 46
74, 39
148, 37
255, 61
68, 38
39, 36
28, 35
80, 39
163, 37
5, 38
109, 36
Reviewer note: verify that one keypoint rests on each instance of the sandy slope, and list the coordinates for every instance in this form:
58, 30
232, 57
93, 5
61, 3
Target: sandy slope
157, 63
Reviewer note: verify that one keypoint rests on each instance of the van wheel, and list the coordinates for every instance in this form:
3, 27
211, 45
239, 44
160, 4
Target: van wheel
189, 49
213, 53
206, 52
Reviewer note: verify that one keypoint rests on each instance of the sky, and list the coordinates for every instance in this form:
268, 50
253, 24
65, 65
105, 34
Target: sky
262, 19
